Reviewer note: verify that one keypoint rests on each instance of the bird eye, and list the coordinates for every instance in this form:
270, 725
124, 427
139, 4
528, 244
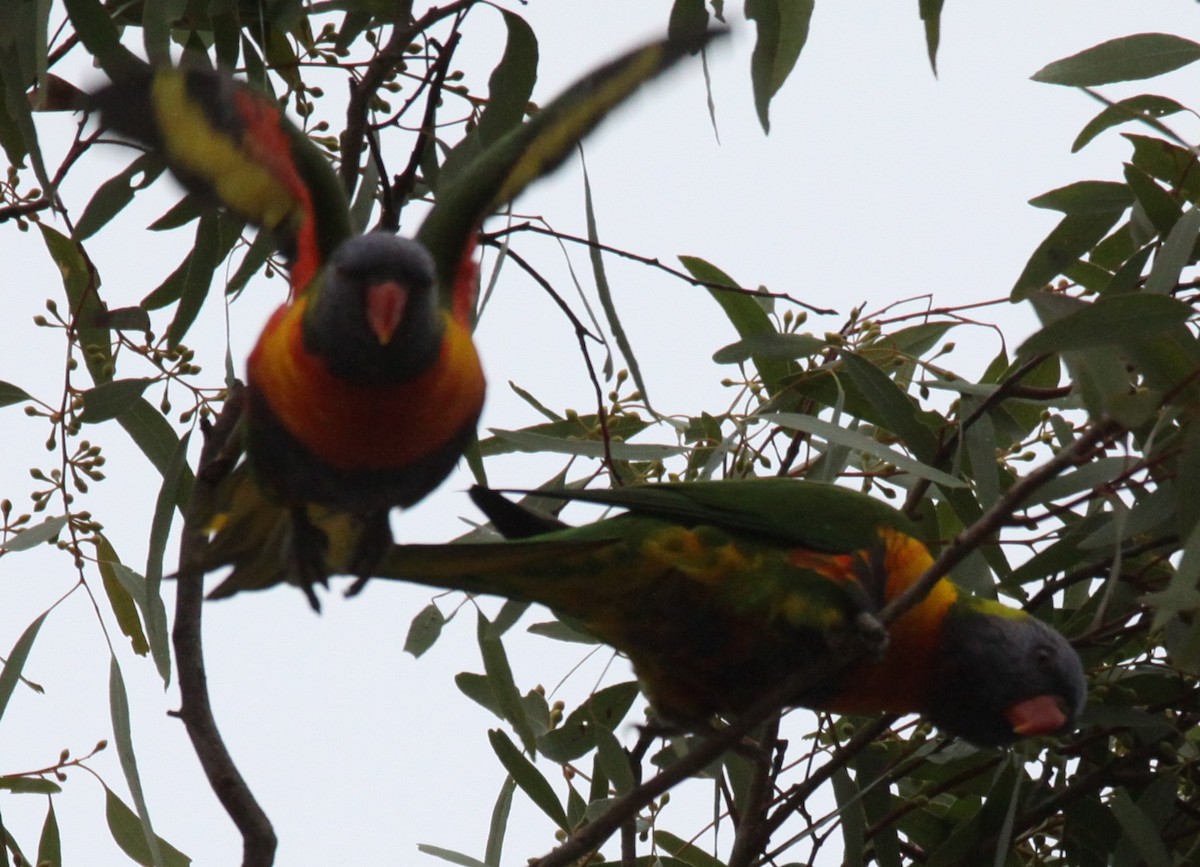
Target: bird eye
1043, 656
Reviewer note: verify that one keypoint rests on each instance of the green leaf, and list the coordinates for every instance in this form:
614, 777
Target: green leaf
113, 195
1140, 831
127, 831
688, 853
424, 630
573, 429
510, 85
500, 680
29, 786
528, 777
10, 394
1135, 108
689, 19
781, 28
1073, 237
1086, 197
477, 688
100, 37
613, 760
771, 345
931, 17
118, 704
604, 293
121, 597
1175, 255
49, 843
897, 410
87, 311
498, 827
158, 441
1158, 205
834, 434
450, 856
108, 400
16, 661
744, 312
1108, 321
215, 236
526, 441
36, 535
1143, 55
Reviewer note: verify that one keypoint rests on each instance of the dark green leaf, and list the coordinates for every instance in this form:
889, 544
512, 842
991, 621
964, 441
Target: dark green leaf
1110, 320
688, 21
126, 830
1173, 165
500, 679
1157, 204
781, 29
114, 194
10, 394
1131, 109
84, 299
1143, 55
498, 827
528, 777
931, 17
510, 86
687, 853
1083, 197
898, 411
16, 661
29, 786
49, 843
126, 319
1073, 237
746, 314
215, 237
109, 399
771, 345
101, 38
476, 687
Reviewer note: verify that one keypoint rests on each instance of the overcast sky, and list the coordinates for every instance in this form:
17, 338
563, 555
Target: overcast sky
877, 182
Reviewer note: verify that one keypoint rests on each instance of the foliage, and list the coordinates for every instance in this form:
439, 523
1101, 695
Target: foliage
1108, 551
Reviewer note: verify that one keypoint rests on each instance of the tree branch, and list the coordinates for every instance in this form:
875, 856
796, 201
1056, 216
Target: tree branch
195, 709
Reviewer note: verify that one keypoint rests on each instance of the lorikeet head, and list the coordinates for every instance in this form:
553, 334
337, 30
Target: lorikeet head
1001, 675
374, 317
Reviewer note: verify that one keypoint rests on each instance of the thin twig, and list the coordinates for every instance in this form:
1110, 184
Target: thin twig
381, 65
492, 237
195, 708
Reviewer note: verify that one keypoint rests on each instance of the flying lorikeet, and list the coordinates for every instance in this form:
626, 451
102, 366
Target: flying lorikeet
365, 388
718, 592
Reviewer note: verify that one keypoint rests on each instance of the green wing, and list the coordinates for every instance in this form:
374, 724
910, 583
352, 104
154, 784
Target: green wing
787, 512
504, 169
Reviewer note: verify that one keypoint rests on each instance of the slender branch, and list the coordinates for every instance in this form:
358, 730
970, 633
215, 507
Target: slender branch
388, 58
195, 709
581, 334
399, 191
492, 237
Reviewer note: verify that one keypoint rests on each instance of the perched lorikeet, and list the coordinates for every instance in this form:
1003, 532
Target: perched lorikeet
365, 388
718, 592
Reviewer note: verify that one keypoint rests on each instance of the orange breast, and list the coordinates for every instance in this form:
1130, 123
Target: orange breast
353, 426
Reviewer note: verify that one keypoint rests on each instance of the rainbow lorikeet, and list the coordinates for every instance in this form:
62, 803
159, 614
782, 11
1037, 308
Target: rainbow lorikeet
364, 389
718, 592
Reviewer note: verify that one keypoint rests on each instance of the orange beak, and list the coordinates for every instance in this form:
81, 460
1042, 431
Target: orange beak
1040, 715
385, 308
